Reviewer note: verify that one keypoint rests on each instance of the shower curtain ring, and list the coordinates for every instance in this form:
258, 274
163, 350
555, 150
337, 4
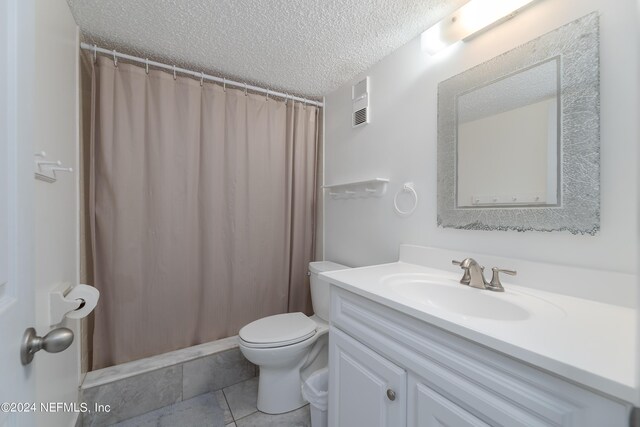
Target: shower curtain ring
146, 65
115, 58
95, 53
267, 95
224, 84
201, 78
174, 72
245, 89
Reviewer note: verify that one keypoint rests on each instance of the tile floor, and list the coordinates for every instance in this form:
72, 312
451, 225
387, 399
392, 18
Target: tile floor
233, 406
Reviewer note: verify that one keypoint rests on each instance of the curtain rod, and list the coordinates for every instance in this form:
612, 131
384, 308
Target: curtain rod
95, 49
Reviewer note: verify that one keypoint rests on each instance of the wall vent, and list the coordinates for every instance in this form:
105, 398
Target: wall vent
361, 116
360, 97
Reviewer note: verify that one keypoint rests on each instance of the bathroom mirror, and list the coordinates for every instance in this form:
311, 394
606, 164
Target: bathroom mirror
512, 122
518, 137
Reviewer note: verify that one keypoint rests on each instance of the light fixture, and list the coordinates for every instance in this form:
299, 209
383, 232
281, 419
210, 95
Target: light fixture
469, 20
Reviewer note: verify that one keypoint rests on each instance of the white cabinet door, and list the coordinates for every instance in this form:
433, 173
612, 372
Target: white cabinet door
428, 408
365, 388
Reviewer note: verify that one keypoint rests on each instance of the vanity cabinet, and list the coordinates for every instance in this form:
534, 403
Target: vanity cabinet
389, 369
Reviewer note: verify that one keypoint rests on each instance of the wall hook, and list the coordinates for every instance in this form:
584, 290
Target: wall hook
45, 170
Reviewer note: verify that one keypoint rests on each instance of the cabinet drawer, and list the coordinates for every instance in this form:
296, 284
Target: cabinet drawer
482, 381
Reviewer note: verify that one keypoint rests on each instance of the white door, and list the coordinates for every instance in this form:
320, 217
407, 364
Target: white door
56, 207
38, 221
17, 294
365, 389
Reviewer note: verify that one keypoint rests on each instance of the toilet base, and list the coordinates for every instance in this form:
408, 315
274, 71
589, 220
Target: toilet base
280, 390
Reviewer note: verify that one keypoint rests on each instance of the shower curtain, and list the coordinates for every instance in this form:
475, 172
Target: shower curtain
203, 210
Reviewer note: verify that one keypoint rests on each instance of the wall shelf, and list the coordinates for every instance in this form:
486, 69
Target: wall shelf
375, 187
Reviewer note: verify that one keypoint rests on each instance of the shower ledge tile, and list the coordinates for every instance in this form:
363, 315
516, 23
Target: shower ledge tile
133, 396
136, 367
215, 372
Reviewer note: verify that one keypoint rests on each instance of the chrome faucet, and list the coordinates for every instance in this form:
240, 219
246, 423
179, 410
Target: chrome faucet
474, 275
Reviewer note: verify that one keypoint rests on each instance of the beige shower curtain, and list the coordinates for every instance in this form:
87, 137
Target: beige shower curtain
203, 208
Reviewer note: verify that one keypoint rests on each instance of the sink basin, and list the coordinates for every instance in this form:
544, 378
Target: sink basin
449, 295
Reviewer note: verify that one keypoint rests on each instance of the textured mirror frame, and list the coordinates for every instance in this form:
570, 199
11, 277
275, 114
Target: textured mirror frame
577, 46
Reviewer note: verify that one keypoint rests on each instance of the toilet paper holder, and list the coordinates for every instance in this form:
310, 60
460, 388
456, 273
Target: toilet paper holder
62, 305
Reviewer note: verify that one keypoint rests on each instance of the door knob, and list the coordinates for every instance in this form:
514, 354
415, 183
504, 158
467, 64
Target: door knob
54, 342
391, 395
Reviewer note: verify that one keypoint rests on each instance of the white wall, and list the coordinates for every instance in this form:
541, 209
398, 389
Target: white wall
56, 216
400, 144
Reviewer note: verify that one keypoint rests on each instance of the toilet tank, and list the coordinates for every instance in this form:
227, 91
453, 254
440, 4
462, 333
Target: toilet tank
320, 288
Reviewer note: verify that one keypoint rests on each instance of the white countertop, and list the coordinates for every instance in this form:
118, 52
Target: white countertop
590, 343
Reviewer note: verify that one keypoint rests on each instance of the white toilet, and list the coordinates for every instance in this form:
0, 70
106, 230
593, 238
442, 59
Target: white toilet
286, 346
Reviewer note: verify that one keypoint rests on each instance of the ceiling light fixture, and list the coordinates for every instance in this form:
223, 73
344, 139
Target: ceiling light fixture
468, 21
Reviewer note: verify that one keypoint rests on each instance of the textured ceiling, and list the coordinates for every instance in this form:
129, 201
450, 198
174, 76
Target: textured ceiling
307, 47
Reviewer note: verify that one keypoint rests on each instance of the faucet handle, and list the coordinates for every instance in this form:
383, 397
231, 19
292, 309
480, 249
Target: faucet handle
466, 277
495, 284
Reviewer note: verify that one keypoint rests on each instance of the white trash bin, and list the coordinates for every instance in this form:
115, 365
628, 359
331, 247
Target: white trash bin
316, 390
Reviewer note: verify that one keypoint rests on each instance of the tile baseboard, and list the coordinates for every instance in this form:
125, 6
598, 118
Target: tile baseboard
145, 385
148, 364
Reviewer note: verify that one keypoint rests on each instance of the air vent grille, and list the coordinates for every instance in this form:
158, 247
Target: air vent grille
361, 116
360, 100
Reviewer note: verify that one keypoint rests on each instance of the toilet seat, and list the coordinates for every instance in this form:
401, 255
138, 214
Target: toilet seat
278, 331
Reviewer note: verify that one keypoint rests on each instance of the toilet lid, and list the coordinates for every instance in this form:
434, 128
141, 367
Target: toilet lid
278, 330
